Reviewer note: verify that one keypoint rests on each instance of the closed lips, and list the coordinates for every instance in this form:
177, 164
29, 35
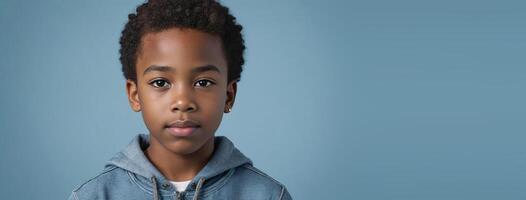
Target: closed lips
183, 124
183, 128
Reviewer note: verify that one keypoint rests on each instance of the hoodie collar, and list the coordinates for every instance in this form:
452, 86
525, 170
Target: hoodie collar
132, 158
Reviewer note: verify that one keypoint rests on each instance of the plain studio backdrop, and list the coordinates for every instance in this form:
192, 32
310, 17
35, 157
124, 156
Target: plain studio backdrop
365, 100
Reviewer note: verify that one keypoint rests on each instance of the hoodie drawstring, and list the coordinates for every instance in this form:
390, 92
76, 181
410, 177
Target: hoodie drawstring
199, 184
156, 192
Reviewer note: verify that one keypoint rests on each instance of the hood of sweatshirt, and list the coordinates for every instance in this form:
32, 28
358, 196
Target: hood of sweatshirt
225, 157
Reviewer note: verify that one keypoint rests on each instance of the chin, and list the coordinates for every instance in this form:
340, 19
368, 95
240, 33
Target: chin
182, 146
186, 145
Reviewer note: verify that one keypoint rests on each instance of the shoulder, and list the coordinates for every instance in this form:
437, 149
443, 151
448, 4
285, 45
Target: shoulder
255, 179
257, 175
98, 183
100, 179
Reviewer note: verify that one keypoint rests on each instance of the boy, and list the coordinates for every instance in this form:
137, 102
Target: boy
182, 60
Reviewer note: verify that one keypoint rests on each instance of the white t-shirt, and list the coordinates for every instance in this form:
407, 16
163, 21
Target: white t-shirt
181, 185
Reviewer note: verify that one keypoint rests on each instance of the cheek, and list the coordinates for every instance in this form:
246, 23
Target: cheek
153, 106
212, 104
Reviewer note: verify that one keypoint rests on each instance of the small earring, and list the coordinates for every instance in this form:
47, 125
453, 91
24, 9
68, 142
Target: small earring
228, 109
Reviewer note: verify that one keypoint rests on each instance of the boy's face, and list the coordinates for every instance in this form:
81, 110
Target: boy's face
181, 75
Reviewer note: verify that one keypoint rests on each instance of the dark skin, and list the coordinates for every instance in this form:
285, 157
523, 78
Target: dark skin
178, 90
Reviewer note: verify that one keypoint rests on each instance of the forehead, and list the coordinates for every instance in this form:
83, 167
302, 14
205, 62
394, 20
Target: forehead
181, 48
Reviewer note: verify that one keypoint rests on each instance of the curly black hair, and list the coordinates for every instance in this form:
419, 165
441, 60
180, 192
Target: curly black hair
208, 16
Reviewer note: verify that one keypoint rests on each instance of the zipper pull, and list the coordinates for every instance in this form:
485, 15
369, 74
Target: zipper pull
180, 195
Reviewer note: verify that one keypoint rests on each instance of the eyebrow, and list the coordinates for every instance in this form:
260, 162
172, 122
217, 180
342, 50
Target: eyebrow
199, 69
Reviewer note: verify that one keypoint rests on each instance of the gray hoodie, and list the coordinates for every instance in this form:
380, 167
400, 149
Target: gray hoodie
228, 175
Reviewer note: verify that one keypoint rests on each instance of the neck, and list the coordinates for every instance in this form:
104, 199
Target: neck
176, 166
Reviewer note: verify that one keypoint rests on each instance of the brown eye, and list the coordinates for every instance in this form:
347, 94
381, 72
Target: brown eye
203, 83
159, 83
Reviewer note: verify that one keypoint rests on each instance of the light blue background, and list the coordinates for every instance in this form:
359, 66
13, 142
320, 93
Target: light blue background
339, 99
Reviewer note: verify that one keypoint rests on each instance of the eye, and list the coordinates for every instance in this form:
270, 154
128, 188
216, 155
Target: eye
204, 83
159, 83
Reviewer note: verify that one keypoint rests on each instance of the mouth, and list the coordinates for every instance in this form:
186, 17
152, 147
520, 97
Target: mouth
183, 128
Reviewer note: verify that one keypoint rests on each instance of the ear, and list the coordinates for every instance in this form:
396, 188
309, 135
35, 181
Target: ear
133, 95
230, 95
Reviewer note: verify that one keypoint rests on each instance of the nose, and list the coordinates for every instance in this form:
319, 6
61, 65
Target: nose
184, 107
183, 100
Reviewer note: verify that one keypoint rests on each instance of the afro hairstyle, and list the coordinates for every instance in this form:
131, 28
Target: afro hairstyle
208, 16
